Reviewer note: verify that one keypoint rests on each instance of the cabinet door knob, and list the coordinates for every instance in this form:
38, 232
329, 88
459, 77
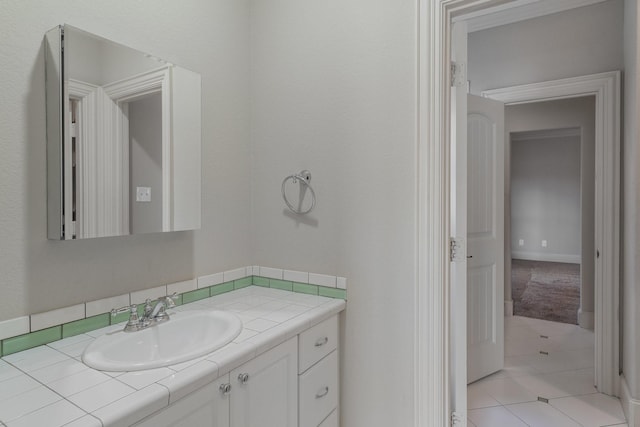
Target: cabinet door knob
322, 341
243, 378
322, 393
225, 388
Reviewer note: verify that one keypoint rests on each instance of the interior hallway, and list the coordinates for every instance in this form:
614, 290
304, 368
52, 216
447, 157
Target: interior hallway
543, 360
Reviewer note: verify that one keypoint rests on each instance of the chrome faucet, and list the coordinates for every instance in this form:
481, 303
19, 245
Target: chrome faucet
151, 315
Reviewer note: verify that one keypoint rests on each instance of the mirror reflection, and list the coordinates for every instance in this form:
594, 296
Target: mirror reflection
123, 139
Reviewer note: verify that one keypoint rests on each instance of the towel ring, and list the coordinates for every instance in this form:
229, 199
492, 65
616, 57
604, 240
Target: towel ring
304, 177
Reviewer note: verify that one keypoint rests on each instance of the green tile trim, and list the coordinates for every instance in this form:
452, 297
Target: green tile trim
221, 289
23, 342
281, 284
119, 318
85, 325
242, 283
332, 292
261, 281
304, 288
34, 339
196, 295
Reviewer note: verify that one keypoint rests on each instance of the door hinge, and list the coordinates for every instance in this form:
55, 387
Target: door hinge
456, 419
458, 74
456, 249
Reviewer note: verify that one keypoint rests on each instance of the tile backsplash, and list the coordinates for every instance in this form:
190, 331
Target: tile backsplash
26, 332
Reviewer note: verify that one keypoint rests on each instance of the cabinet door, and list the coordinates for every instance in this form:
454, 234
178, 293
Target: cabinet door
265, 389
206, 407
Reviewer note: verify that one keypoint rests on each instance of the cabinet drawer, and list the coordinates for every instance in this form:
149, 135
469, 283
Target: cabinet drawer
331, 420
318, 390
317, 342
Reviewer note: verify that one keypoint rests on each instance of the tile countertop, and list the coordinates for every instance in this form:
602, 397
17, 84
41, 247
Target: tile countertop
49, 385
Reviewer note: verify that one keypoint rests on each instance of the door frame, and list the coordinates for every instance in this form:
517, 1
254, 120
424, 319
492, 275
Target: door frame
433, 361
606, 89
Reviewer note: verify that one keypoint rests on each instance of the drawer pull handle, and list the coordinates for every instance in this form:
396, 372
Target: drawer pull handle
322, 341
225, 388
243, 378
322, 393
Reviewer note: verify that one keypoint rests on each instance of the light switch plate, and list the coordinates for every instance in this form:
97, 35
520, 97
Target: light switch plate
143, 194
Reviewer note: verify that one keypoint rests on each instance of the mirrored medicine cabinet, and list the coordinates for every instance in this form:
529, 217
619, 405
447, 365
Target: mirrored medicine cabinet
123, 139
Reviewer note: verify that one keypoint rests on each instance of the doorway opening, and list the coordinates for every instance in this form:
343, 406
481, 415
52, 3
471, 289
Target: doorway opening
550, 210
440, 300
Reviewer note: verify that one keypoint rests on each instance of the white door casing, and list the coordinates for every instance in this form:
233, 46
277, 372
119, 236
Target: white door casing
485, 237
605, 87
433, 360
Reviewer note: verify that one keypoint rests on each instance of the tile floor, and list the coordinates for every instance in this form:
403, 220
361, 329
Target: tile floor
564, 376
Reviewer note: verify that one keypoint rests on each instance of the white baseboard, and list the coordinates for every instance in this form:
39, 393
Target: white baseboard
539, 256
586, 319
508, 307
630, 406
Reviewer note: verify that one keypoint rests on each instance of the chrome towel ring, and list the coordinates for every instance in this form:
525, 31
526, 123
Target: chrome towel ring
305, 178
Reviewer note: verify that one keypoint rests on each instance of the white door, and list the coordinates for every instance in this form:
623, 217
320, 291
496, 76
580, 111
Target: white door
265, 389
485, 237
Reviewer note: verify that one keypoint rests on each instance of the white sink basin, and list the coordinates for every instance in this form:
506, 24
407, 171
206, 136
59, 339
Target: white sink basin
187, 335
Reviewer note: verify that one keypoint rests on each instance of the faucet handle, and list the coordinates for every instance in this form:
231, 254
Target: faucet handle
130, 308
170, 300
133, 322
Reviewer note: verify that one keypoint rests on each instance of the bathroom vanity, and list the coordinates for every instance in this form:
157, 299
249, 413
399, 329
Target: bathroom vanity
295, 383
281, 371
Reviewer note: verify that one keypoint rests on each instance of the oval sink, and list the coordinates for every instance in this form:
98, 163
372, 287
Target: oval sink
187, 335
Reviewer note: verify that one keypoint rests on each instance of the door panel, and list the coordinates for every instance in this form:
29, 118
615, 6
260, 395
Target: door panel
485, 237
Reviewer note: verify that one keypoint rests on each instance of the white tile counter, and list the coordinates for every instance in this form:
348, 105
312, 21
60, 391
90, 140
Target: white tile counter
50, 386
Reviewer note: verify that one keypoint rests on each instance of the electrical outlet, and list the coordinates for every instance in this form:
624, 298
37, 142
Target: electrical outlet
143, 194
544, 243
521, 242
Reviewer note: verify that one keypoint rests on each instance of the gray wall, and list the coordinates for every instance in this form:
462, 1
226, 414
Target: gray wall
545, 198
145, 163
581, 41
334, 90
209, 36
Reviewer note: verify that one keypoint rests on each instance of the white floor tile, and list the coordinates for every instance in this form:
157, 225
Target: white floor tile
593, 410
494, 417
538, 414
515, 366
477, 397
565, 376
571, 383
507, 391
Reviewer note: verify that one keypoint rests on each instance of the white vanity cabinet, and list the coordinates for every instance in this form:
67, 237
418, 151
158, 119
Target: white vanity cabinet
295, 384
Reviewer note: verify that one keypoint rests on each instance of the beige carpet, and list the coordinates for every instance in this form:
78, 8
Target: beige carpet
546, 290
